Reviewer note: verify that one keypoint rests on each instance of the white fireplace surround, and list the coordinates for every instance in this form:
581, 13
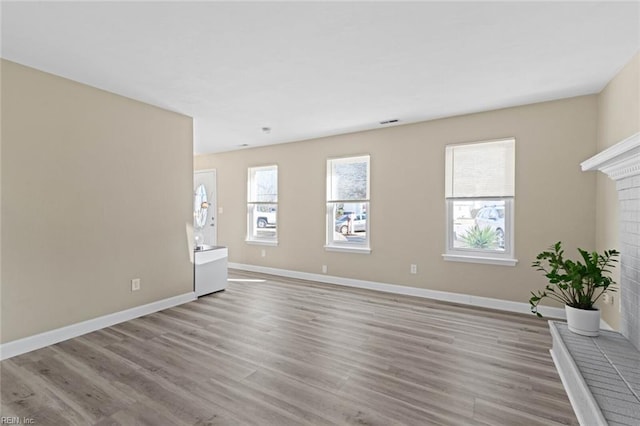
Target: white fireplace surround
600, 373
621, 162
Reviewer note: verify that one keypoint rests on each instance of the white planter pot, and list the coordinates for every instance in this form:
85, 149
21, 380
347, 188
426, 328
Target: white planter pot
582, 321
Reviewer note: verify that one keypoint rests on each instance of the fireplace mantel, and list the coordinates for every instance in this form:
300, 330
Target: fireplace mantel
619, 161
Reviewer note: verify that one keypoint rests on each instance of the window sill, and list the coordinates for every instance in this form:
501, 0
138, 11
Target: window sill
262, 243
347, 249
502, 261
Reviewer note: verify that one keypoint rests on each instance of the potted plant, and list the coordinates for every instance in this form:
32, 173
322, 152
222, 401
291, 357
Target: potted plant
482, 238
576, 284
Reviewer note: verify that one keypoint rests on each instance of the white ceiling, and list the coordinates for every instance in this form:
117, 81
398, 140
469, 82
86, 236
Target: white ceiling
315, 69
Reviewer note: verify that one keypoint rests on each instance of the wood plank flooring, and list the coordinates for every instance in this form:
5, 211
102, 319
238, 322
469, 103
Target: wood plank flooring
292, 352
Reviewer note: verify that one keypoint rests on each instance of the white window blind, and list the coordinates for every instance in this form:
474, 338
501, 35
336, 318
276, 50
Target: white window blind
483, 169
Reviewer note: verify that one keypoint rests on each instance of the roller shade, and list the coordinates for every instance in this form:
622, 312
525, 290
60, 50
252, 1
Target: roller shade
483, 169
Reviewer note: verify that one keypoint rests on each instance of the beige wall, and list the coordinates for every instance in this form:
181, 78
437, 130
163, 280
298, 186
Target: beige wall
554, 199
96, 190
618, 118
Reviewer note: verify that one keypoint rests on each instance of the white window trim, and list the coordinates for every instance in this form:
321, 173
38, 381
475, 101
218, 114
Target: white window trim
479, 259
347, 247
507, 258
256, 242
260, 241
502, 192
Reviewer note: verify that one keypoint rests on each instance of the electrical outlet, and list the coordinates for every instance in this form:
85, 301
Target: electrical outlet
135, 284
324, 269
264, 253
220, 210
607, 298
414, 269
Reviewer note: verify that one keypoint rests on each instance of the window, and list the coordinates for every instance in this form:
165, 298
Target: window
479, 190
262, 205
348, 204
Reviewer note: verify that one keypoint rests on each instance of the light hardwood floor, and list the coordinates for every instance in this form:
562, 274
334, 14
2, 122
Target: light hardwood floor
291, 352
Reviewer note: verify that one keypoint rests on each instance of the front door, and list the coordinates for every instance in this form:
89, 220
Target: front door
205, 207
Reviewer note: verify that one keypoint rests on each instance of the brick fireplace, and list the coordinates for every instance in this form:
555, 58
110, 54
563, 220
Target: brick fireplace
600, 374
621, 162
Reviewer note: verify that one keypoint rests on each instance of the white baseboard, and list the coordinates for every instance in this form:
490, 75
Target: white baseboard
38, 341
466, 299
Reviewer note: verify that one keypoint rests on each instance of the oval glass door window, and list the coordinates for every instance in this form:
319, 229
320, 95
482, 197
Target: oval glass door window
201, 205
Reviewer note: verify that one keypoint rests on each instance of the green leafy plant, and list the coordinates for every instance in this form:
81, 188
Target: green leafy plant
578, 284
480, 238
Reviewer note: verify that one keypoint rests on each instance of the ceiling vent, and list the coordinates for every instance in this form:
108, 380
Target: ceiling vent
395, 120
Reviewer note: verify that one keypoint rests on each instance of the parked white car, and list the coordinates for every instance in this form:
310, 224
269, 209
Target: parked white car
359, 223
265, 217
